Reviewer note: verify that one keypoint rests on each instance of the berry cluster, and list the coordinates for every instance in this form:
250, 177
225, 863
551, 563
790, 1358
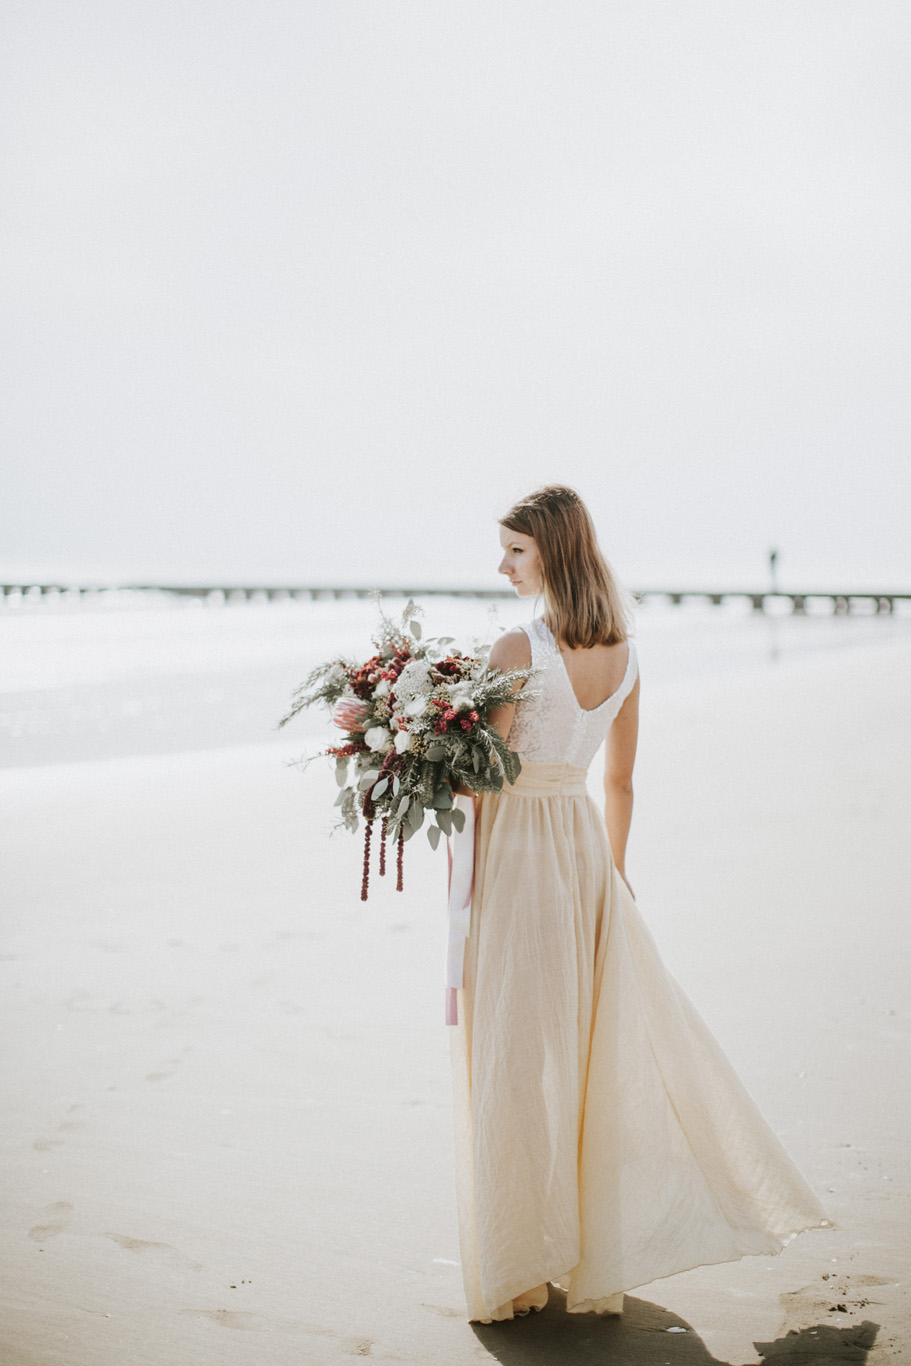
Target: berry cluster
448, 715
346, 751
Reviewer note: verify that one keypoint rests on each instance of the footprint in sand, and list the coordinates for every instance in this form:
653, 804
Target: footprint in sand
149, 1249
60, 1213
232, 1318
46, 1145
168, 1062
259, 1323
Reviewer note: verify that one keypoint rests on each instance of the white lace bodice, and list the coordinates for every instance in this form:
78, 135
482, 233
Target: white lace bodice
551, 728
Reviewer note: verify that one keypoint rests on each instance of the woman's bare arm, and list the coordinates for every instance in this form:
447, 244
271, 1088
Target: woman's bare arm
619, 758
511, 651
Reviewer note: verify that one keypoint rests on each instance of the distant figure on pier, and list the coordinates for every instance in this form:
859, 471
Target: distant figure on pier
773, 569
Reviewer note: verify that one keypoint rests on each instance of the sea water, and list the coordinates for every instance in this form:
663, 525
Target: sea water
146, 672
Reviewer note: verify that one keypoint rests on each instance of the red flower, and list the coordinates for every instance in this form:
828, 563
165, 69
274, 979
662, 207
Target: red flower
362, 680
451, 667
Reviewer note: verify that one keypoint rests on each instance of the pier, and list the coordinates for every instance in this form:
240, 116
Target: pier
777, 600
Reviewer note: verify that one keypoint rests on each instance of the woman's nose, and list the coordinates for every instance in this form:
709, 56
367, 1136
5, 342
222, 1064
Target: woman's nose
504, 566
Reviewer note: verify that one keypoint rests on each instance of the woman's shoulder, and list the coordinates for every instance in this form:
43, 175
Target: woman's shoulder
511, 650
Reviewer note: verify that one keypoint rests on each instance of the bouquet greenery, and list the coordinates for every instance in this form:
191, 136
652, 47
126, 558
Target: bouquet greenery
416, 723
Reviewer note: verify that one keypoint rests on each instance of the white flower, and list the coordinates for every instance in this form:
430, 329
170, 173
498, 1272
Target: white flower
417, 707
382, 688
461, 699
413, 682
377, 738
403, 741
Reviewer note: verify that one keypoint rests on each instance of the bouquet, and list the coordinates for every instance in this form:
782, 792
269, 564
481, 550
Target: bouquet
416, 725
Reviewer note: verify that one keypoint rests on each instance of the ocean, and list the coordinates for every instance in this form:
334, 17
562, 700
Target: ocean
143, 672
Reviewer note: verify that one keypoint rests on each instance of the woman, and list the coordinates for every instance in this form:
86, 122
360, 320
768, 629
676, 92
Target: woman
602, 1138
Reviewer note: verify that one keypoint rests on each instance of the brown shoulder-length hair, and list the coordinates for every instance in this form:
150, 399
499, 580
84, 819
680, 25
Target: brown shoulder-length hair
584, 605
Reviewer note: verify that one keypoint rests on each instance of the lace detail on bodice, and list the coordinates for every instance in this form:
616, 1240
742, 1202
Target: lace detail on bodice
551, 728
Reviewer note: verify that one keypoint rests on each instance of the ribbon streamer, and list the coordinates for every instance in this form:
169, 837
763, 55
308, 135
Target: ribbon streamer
461, 877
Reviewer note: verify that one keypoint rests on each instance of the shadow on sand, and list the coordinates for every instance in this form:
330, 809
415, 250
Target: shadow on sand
641, 1338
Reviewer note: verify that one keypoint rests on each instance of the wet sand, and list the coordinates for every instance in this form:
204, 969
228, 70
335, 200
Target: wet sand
226, 1136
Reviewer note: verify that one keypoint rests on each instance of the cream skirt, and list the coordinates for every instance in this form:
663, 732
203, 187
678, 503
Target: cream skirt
602, 1138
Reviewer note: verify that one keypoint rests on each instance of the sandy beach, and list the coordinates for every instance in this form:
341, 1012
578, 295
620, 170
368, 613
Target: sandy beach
226, 1131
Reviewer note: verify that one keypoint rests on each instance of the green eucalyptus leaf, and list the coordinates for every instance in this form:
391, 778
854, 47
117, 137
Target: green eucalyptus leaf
341, 772
458, 818
416, 816
442, 798
414, 627
444, 821
395, 785
434, 834
435, 753
381, 787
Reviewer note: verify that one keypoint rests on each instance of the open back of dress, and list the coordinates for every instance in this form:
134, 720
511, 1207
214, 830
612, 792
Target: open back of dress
602, 1138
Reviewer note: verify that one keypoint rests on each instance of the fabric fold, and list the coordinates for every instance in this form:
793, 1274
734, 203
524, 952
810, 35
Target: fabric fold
461, 877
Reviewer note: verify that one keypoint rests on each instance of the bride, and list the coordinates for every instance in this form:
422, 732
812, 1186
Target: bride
602, 1138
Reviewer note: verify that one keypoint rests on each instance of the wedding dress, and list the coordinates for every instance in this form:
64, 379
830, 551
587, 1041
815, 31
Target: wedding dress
603, 1140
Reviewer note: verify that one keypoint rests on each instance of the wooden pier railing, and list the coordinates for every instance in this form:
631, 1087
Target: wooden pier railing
840, 603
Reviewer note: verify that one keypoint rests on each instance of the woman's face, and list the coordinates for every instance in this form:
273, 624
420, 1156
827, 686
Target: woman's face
521, 562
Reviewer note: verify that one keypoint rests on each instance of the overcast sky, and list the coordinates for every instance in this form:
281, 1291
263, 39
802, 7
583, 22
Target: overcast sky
312, 289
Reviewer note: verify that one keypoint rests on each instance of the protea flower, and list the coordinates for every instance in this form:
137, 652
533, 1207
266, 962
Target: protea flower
349, 713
